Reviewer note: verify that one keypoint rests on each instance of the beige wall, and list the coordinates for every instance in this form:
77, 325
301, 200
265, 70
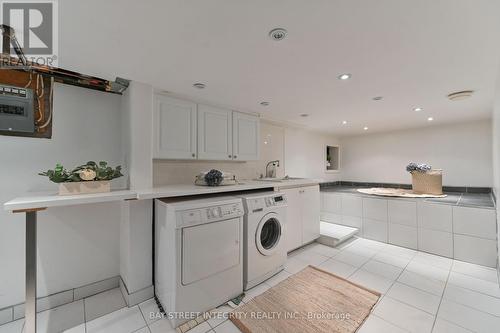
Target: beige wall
300, 153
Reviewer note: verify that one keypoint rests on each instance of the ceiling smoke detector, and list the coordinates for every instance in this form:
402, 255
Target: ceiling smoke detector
199, 85
278, 34
459, 95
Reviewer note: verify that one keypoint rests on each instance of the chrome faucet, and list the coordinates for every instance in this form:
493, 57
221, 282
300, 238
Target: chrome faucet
272, 173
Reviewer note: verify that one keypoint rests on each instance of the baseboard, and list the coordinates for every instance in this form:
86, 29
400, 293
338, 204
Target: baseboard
16, 311
136, 297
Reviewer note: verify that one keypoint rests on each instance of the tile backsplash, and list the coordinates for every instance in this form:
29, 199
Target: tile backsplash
272, 141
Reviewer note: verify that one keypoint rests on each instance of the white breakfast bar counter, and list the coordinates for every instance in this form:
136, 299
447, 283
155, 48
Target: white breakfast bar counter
32, 204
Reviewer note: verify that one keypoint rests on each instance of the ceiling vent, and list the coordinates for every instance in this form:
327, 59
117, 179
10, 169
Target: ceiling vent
278, 34
460, 95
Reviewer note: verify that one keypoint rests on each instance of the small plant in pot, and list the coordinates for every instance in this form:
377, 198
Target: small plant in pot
91, 177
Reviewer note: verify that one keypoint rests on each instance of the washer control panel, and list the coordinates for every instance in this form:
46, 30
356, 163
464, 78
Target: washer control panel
271, 200
276, 200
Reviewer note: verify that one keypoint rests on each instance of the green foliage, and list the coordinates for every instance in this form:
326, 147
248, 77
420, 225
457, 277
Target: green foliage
102, 172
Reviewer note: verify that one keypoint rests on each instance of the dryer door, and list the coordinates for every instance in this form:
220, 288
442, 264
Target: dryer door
268, 235
209, 249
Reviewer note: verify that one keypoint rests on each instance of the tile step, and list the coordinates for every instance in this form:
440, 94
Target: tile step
333, 234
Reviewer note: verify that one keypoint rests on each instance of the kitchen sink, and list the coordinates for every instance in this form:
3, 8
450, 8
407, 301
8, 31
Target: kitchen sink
278, 180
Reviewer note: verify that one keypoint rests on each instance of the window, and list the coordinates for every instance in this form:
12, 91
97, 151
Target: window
332, 158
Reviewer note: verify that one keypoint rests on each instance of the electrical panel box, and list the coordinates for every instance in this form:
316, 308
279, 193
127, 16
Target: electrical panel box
16, 109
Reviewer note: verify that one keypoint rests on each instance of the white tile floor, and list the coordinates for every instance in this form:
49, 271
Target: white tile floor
421, 293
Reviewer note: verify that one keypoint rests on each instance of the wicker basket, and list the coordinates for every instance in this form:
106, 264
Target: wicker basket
430, 182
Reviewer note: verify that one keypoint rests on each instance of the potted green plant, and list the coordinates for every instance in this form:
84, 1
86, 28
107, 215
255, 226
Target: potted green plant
91, 177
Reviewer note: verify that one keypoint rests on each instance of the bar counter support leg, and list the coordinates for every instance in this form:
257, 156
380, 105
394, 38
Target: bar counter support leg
30, 312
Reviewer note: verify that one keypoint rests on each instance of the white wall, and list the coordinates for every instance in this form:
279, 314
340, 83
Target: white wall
300, 152
76, 245
463, 151
496, 156
305, 154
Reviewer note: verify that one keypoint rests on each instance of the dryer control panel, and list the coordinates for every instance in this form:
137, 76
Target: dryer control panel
225, 211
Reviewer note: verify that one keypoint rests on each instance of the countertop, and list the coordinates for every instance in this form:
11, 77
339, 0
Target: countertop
52, 199
243, 185
477, 200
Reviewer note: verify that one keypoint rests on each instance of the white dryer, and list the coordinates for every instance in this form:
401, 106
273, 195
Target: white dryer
198, 254
264, 236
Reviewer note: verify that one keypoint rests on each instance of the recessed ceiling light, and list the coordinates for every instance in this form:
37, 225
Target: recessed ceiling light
365, 128
278, 34
264, 103
377, 98
304, 115
417, 109
430, 119
345, 76
344, 122
459, 95
199, 85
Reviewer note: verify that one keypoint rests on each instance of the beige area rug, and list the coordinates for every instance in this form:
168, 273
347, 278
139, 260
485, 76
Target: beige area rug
397, 192
310, 301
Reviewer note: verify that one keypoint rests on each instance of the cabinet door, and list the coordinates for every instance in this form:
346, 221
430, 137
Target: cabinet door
293, 234
246, 137
309, 200
174, 128
332, 202
214, 133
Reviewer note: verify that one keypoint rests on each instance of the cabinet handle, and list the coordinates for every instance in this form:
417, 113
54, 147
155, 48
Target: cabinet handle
234, 156
229, 156
193, 154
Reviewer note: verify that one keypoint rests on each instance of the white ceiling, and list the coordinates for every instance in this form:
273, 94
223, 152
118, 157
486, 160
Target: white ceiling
413, 53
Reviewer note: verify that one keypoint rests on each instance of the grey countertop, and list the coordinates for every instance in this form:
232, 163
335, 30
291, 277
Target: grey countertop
478, 200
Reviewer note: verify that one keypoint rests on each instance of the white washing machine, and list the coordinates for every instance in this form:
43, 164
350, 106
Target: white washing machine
264, 242
198, 254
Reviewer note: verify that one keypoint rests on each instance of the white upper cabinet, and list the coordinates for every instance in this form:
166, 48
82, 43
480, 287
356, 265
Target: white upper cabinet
246, 137
215, 133
186, 130
174, 128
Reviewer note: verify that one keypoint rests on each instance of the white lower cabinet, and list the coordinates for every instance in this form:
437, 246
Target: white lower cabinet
475, 222
463, 233
352, 221
435, 216
352, 205
310, 213
376, 230
435, 242
331, 217
375, 209
402, 235
293, 232
402, 212
475, 250
303, 215
331, 202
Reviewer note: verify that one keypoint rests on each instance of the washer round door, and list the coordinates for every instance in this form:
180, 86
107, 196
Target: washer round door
268, 235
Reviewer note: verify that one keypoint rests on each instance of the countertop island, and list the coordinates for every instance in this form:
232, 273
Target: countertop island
464, 199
